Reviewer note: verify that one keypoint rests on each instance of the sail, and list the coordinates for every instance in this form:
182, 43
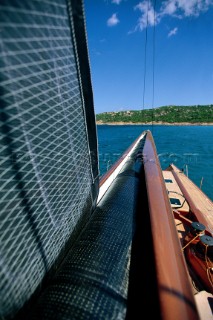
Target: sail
48, 143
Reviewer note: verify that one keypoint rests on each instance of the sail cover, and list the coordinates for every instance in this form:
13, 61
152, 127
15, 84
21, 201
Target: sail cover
48, 146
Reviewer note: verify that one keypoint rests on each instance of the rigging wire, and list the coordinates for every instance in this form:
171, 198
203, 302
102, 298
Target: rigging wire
145, 52
153, 63
153, 59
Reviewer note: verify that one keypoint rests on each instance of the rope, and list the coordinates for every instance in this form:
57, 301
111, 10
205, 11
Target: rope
208, 268
191, 241
209, 265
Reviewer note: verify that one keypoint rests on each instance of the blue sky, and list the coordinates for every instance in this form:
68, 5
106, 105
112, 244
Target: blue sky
179, 44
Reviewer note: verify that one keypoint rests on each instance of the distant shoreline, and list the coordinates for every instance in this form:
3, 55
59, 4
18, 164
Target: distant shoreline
156, 123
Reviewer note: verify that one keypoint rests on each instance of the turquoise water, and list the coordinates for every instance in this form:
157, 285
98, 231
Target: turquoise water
190, 146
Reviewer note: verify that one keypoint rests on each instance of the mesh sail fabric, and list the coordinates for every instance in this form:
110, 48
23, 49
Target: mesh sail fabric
93, 280
47, 181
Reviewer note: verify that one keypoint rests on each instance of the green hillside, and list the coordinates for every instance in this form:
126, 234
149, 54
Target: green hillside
168, 114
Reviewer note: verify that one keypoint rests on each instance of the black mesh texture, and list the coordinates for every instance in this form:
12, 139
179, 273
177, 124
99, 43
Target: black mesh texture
93, 281
45, 168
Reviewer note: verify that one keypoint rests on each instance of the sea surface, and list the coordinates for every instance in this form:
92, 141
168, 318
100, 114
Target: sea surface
188, 147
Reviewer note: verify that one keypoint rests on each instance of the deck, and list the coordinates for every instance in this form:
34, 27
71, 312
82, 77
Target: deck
198, 202
184, 197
